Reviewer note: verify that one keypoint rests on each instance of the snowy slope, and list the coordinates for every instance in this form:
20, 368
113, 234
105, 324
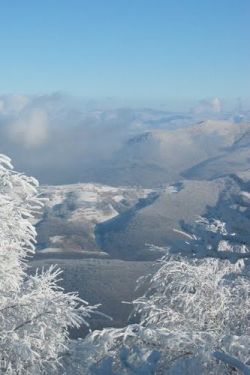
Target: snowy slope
72, 211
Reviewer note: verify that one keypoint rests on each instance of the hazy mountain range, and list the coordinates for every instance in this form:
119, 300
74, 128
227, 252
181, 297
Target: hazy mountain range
164, 156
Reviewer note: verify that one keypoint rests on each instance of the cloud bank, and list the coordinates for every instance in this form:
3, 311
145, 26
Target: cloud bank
56, 138
60, 139
29, 129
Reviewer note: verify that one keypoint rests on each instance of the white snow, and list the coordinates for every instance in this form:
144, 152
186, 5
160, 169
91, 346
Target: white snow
118, 198
93, 202
185, 234
94, 215
56, 239
51, 250
245, 194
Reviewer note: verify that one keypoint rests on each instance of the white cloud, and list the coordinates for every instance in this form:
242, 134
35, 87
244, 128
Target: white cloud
13, 103
216, 104
57, 137
213, 105
30, 129
2, 105
60, 139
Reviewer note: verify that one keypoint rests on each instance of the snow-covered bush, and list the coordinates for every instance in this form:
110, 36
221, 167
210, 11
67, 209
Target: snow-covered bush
34, 311
194, 319
197, 295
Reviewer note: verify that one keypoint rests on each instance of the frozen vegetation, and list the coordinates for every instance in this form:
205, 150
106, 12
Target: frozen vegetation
34, 311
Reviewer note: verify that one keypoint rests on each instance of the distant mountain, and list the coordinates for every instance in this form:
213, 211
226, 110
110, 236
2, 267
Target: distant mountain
161, 156
103, 145
234, 159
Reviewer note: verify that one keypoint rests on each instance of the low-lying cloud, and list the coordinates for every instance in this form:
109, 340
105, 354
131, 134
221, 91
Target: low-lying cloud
56, 138
29, 129
59, 139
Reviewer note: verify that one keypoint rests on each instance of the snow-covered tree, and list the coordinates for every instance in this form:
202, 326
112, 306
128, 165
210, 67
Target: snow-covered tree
34, 311
197, 295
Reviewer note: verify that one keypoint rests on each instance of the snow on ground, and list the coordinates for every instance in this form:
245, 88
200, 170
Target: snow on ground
89, 199
118, 198
94, 215
245, 194
72, 212
56, 239
51, 250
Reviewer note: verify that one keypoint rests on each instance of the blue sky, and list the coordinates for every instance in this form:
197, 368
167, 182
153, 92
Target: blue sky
138, 50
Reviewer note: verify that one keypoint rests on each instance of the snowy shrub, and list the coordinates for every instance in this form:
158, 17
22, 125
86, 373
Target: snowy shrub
194, 319
34, 311
197, 295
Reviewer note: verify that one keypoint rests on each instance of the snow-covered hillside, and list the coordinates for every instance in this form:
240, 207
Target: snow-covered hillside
71, 213
93, 220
